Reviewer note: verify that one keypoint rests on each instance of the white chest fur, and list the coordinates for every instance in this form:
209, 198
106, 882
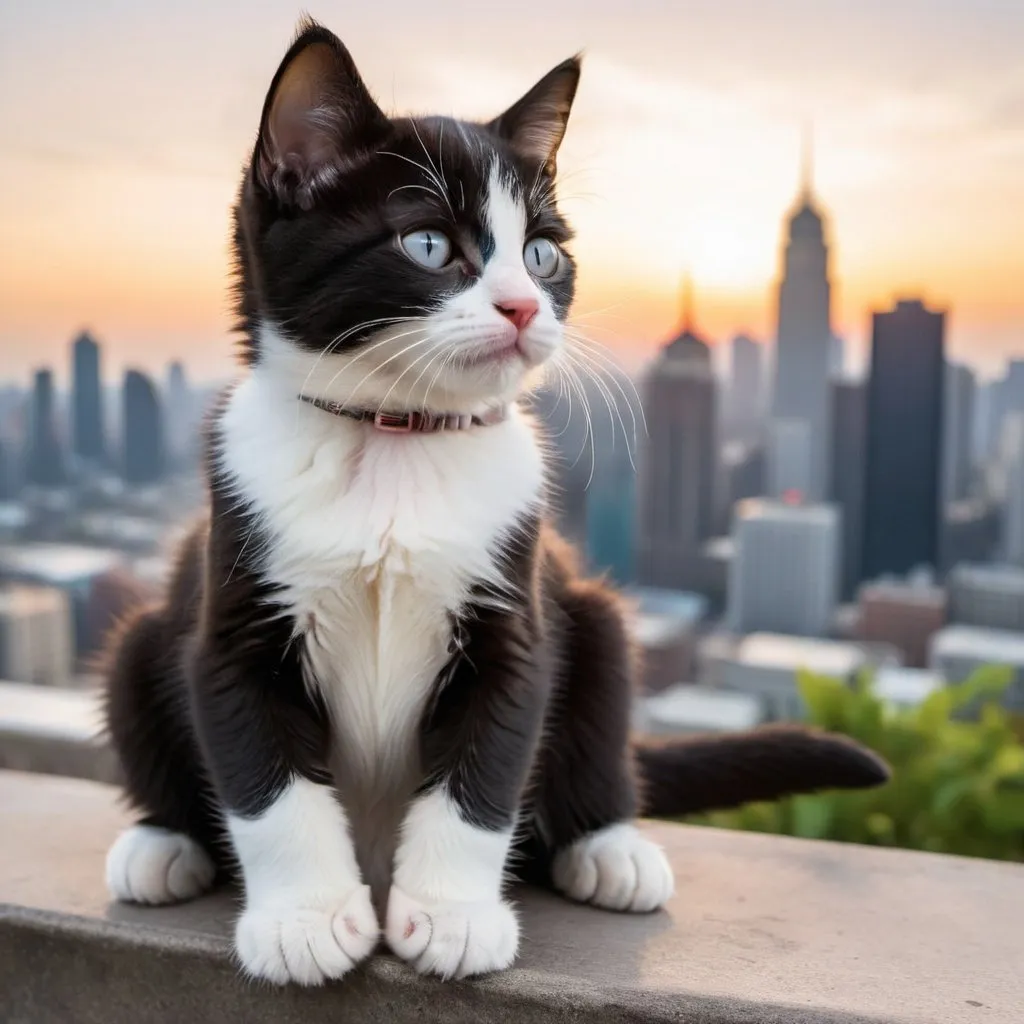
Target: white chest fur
375, 541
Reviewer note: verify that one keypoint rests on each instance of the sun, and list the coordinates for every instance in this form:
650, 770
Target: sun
722, 252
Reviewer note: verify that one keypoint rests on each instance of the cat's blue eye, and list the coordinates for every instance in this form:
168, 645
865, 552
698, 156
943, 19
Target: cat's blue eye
541, 257
429, 248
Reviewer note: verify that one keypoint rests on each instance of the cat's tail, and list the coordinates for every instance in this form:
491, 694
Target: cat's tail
704, 773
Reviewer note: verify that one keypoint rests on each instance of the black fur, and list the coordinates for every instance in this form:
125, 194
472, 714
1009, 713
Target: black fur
208, 706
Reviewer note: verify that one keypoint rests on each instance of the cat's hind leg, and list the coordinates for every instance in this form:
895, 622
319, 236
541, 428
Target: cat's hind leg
586, 798
172, 853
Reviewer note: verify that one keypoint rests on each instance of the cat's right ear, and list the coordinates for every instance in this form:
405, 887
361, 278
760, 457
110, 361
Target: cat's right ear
318, 118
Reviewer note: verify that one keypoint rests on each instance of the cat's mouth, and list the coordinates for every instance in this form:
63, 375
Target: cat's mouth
496, 352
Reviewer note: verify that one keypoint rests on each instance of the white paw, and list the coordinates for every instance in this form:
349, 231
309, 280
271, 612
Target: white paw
307, 943
614, 868
147, 864
452, 939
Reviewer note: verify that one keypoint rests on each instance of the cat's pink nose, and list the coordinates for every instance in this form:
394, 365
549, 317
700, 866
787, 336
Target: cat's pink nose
519, 311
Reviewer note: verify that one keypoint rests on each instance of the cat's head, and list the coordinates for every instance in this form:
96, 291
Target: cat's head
401, 263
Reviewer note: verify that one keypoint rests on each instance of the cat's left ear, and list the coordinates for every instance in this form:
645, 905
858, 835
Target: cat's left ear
534, 125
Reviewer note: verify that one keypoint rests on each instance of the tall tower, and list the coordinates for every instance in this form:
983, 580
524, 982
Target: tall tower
678, 465
745, 402
144, 447
902, 493
801, 405
44, 457
86, 400
182, 435
958, 432
849, 439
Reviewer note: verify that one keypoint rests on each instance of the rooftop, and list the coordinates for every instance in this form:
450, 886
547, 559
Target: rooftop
662, 615
57, 563
906, 686
687, 708
1005, 578
767, 510
926, 595
1000, 646
793, 653
16, 599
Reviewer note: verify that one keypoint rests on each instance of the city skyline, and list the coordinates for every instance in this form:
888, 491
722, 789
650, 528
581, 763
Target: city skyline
920, 153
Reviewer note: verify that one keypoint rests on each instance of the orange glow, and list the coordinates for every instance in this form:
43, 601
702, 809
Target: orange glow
114, 211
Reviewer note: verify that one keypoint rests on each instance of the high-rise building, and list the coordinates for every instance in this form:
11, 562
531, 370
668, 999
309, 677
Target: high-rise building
903, 613
87, 435
8, 485
1013, 509
182, 435
804, 345
849, 437
743, 472
745, 402
44, 457
143, 427
1002, 397
970, 532
784, 576
902, 493
790, 457
36, 635
572, 448
611, 515
678, 470
991, 596
958, 432
837, 356
958, 651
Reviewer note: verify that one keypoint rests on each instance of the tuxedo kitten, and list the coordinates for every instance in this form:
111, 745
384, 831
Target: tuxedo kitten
378, 684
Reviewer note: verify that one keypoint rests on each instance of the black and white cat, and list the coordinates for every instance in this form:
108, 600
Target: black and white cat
378, 684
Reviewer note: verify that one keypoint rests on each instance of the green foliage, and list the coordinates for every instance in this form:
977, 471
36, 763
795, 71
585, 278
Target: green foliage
957, 763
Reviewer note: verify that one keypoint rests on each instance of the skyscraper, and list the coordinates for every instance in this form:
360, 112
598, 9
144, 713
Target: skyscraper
44, 457
746, 389
611, 515
804, 340
849, 440
836, 355
571, 450
784, 576
678, 463
144, 451
182, 434
1013, 510
902, 494
958, 433
86, 400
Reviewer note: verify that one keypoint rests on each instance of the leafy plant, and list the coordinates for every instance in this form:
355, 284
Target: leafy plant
958, 772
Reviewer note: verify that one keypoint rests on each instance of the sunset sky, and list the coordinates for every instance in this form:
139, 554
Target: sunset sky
124, 125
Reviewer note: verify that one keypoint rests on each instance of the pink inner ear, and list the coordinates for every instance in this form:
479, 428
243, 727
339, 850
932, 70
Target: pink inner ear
301, 118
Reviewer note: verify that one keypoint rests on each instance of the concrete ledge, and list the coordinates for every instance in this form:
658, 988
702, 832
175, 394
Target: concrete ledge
763, 929
54, 731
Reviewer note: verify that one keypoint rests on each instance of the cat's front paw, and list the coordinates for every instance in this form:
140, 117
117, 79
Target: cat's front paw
452, 939
616, 868
307, 942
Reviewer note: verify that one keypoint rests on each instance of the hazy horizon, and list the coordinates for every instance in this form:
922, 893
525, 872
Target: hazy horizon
126, 130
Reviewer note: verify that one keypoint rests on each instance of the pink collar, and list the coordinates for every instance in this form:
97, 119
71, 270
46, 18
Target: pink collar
411, 422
